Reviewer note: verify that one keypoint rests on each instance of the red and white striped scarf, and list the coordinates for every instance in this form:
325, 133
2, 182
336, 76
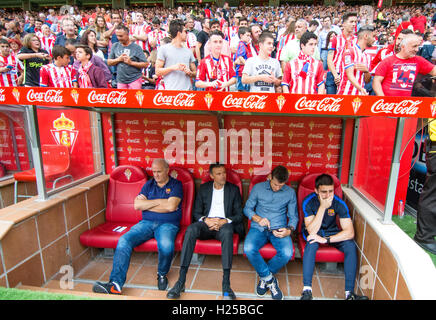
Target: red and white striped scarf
84, 79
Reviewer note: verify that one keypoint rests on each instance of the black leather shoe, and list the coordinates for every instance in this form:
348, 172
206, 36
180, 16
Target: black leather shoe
162, 282
175, 291
228, 293
353, 296
430, 247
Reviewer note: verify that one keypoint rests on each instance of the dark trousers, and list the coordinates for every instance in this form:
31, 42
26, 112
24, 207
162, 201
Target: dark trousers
426, 214
348, 247
199, 230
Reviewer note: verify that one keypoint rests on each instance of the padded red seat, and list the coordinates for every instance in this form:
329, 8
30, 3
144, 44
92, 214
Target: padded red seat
55, 161
213, 246
185, 177
325, 253
125, 183
267, 251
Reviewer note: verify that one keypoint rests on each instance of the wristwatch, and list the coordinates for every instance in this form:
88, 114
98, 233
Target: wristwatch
328, 240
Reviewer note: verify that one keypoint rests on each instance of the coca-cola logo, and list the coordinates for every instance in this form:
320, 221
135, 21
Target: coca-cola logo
408, 107
250, 102
113, 97
49, 96
180, 100
327, 104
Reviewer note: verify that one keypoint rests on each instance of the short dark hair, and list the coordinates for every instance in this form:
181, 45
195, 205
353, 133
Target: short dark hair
216, 33
215, 165
407, 31
85, 48
280, 173
123, 27
347, 15
4, 41
176, 26
324, 180
313, 23
306, 37
243, 30
60, 51
265, 35
212, 22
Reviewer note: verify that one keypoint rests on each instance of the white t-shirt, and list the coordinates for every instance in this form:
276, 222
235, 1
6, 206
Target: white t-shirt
255, 66
217, 205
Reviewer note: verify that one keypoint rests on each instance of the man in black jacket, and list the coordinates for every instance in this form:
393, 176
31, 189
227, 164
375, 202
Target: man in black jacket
217, 215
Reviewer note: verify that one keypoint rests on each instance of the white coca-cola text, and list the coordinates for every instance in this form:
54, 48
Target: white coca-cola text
250, 102
327, 104
180, 100
408, 107
49, 96
113, 97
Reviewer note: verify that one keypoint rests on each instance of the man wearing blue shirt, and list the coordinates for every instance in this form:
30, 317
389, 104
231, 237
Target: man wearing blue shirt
320, 209
160, 202
274, 220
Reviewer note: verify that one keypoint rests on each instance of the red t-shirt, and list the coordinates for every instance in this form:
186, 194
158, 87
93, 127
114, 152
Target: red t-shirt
399, 74
419, 23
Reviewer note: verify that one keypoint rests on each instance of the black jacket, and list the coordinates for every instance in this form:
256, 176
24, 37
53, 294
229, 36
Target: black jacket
232, 205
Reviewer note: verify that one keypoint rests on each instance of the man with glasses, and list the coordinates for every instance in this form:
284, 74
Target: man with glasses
68, 32
176, 63
272, 209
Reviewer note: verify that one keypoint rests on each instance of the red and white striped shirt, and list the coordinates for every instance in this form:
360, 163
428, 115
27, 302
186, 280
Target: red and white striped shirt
51, 75
281, 43
157, 35
10, 78
191, 40
339, 44
315, 75
142, 30
351, 57
211, 69
47, 43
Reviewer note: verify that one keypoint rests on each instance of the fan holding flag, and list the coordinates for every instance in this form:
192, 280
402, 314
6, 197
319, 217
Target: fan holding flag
304, 74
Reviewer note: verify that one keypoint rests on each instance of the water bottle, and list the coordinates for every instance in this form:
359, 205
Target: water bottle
401, 209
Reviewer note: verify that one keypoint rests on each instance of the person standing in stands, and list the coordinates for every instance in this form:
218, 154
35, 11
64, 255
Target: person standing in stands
319, 227
176, 63
33, 58
215, 72
263, 73
396, 74
217, 215
58, 74
129, 59
160, 202
272, 209
336, 48
89, 75
10, 66
304, 74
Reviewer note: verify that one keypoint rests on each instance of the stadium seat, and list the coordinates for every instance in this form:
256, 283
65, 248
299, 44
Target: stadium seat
125, 183
56, 163
213, 246
325, 253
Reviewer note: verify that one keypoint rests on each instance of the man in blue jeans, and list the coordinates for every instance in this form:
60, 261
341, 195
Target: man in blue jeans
320, 209
274, 220
160, 202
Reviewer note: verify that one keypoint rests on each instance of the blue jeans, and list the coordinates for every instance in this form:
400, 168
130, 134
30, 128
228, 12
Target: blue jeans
164, 233
348, 247
255, 240
330, 85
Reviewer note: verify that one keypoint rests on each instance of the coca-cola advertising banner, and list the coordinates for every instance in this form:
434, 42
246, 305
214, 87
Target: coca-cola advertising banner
422, 107
247, 144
